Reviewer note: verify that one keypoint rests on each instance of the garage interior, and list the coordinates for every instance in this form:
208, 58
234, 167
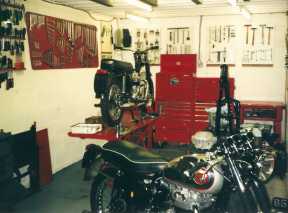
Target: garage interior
58, 63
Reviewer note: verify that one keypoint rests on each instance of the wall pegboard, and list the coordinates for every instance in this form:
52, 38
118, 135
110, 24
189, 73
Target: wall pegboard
59, 44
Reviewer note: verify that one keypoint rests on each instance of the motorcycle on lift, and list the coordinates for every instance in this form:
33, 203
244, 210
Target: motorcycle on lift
119, 85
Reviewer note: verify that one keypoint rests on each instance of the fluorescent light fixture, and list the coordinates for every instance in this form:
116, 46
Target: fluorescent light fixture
136, 18
245, 13
140, 5
197, 1
233, 2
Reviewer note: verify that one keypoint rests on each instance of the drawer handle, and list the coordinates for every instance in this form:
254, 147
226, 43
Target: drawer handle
174, 81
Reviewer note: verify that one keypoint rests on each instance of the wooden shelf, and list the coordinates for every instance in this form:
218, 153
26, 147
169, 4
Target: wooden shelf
217, 65
21, 7
3, 70
13, 37
257, 65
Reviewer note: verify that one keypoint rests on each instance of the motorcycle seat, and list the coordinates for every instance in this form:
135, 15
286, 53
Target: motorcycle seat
115, 66
132, 157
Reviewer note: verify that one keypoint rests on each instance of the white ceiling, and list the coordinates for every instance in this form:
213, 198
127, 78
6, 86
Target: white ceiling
176, 8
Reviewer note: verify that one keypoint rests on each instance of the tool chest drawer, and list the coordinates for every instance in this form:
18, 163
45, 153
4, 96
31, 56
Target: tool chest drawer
174, 130
179, 64
175, 87
178, 110
207, 89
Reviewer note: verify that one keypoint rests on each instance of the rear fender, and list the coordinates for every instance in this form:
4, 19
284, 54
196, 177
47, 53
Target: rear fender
100, 82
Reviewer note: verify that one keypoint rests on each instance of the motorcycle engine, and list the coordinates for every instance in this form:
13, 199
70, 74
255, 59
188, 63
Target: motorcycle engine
139, 90
192, 183
188, 199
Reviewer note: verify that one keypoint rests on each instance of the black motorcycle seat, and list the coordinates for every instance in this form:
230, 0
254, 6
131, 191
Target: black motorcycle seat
132, 157
115, 66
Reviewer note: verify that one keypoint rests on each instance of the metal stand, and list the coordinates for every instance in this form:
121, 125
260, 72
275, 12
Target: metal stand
233, 107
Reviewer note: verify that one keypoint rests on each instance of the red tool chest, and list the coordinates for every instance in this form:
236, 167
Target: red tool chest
175, 98
181, 98
179, 64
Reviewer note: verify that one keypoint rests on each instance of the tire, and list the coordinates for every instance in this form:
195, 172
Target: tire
245, 199
110, 105
261, 196
103, 197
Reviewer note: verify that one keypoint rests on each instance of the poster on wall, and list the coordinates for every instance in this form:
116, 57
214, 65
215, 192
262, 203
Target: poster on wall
59, 44
257, 45
179, 41
221, 44
106, 40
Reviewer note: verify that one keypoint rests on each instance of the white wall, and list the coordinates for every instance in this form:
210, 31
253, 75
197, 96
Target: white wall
252, 83
55, 99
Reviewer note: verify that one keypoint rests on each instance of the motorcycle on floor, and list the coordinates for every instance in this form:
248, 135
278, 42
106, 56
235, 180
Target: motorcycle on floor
224, 179
119, 85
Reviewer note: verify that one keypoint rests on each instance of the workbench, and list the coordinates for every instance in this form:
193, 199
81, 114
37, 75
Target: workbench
264, 111
140, 131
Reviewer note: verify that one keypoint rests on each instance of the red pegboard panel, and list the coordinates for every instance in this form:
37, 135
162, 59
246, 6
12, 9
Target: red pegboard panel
59, 44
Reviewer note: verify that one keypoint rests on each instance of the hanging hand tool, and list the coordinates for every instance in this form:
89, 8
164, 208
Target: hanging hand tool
247, 32
253, 35
220, 34
269, 34
229, 32
262, 32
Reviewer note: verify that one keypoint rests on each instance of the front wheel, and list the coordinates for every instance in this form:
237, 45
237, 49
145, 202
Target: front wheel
105, 197
110, 105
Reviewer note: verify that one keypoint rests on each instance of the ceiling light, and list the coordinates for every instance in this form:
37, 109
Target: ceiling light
136, 18
140, 4
107, 3
233, 2
197, 1
245, 13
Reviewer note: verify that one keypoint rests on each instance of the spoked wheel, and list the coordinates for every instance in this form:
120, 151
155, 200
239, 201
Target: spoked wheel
110, 105
150, 102
105, 197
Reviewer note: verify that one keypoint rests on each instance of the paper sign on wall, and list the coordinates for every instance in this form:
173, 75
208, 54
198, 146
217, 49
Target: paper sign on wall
221, 44
257, 45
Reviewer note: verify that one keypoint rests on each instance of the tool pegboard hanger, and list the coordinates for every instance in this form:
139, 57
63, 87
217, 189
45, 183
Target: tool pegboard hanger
59, 44
221, 45
179, 41
258, 45
12, 37
142, 38
148, 37
106, 40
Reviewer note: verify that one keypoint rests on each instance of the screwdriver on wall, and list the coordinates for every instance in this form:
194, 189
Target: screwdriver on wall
253, 35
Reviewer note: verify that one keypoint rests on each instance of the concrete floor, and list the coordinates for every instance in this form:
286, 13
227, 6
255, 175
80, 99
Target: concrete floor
69, 193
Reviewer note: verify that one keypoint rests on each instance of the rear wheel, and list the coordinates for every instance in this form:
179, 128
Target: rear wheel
105, 197
110, 105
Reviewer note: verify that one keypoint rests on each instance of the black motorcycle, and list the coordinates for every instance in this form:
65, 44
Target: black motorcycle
225, 179
119, 85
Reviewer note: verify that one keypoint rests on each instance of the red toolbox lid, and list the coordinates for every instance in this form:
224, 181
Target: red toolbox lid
181, 64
